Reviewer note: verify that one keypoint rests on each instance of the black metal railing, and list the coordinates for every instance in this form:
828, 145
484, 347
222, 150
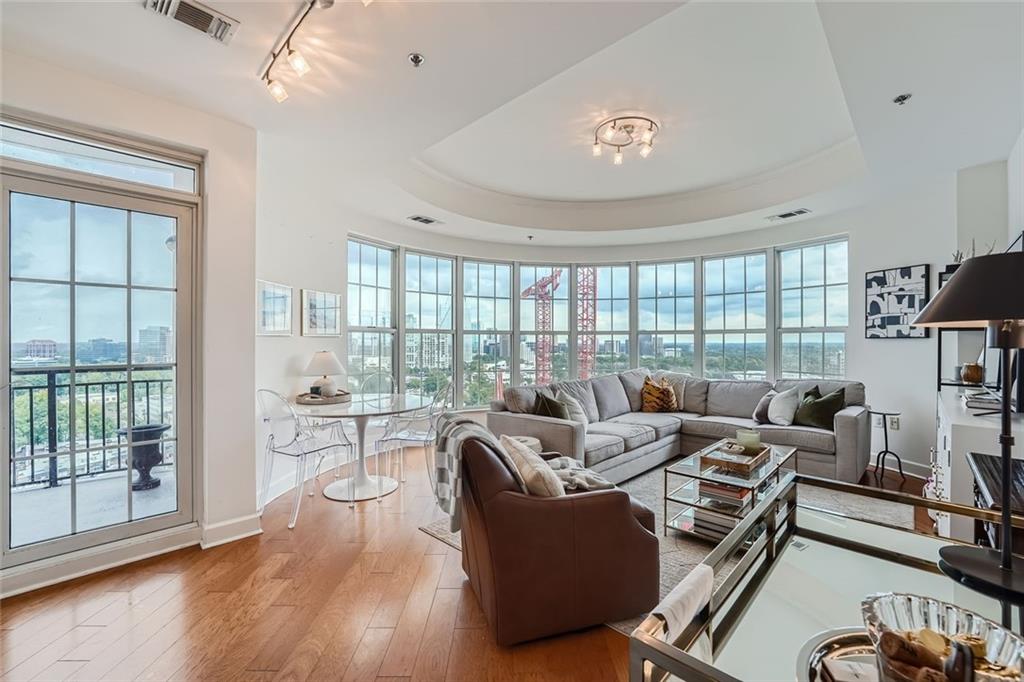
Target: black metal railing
41, 428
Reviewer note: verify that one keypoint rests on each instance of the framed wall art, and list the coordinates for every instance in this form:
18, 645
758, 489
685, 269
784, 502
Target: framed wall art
273, 309
321, 313
894, 297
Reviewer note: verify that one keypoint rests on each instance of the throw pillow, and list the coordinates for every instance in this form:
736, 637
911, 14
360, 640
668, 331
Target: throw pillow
820, 412
549, 407
540, 479
575, 408
761, 411
783, 406
658, 397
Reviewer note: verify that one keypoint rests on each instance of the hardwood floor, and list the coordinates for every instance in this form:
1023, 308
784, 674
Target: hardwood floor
911, 485
347, 595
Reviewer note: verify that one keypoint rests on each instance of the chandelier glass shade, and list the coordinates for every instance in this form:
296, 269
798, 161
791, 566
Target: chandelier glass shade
624, 131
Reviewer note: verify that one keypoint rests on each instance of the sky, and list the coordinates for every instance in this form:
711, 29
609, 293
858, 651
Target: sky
41, 249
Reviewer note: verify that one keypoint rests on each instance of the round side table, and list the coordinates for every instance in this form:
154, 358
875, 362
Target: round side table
885, 451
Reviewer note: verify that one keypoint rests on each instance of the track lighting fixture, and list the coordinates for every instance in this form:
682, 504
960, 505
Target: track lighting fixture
294, 57
624, 130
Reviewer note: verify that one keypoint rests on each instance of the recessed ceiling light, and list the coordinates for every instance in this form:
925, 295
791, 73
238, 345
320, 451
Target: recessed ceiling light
900, 100
416, 59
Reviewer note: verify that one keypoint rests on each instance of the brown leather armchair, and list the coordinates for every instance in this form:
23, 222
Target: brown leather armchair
547, 565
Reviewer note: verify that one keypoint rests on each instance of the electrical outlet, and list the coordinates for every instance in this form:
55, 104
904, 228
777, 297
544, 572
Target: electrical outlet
894, 423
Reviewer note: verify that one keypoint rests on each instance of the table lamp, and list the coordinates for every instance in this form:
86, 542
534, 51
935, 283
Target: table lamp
324, 365
987, 291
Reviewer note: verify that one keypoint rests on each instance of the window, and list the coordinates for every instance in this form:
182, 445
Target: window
544, 323
602, 318
429, 332
97, 332
487, 331
371, 322
665, 300
62, 151
813, 310
735, 313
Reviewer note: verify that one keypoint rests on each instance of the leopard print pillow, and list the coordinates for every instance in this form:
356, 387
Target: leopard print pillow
658, 396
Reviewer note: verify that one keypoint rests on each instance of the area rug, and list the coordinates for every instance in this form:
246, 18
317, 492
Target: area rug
681, 553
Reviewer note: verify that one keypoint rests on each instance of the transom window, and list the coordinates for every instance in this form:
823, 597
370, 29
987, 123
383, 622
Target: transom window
814, 310
665, 294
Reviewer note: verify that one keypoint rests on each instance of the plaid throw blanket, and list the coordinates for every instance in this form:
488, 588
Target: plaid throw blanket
452, 431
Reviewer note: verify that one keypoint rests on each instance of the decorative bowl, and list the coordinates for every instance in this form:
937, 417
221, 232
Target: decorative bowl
900, 613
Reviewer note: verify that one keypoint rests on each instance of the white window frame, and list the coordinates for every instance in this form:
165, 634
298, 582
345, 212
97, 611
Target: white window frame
801, 330
675, 331
392, 328
187, 208
462, 332
629, 332
451, 331
705, 330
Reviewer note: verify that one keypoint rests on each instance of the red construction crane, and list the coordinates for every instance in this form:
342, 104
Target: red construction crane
586, 314
542, 292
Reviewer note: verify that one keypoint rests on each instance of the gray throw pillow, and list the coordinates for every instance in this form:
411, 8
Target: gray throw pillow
782, 407
761, 411
576, 411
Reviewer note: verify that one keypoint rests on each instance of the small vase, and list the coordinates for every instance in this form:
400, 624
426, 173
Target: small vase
972, 373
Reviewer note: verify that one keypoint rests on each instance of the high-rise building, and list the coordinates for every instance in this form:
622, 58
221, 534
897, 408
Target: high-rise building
155, 344
41, 349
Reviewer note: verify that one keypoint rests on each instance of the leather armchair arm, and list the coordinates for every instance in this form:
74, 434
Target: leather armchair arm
555, 435
852, 427
570, 560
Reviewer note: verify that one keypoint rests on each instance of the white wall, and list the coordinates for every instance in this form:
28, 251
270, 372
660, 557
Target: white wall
226, 507
1015, 189
981, 208
302, 230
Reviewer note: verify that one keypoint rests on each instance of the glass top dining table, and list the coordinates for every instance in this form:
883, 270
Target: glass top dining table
361, 410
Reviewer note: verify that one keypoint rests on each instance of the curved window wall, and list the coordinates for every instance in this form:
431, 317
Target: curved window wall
486, 325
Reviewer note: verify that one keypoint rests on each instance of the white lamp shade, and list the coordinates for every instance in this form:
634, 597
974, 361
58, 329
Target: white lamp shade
324, 364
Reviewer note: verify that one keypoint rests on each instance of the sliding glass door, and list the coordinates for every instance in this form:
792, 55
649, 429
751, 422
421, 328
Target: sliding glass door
97, 360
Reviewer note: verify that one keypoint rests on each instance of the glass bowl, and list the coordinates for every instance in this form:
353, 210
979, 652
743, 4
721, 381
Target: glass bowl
902, 612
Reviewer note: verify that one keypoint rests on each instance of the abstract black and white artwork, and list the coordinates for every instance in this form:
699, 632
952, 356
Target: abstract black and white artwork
894, 298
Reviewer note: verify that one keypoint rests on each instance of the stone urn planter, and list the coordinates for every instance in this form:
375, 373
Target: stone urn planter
145, 457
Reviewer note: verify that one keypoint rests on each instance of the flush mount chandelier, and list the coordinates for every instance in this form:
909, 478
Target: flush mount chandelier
623, 131
284, 48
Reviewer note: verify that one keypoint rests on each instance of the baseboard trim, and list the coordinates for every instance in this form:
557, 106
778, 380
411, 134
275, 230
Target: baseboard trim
228, 531
58, 569
915, 469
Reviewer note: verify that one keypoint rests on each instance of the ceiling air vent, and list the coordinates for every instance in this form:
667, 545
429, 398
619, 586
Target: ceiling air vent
789, 214
218, 26
424, 220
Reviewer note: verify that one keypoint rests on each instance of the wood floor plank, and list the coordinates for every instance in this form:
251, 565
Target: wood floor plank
367, 659
408, 635
435, 644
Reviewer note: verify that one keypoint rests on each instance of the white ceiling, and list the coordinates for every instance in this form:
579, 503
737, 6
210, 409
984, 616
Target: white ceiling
765, 106
739, 90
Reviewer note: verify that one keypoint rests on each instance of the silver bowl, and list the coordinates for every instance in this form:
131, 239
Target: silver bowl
902, 612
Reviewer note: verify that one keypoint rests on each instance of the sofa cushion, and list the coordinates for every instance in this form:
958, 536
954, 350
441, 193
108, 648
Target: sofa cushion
523, 399
820, 412
597, 447
633, 383
634, 435
761, 411
802, 437
576, 411
540, 479
610, 396
658, 396
854, 389
716, 426
663, 423
582, 391
694, 393
682, 416
782, 409
546, 406
735, 398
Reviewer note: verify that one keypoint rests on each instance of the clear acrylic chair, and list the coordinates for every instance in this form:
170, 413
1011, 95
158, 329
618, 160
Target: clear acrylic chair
305, 442
381, 383
417, 428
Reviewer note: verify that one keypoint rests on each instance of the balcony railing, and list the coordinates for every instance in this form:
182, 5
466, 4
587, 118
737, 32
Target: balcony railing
40, 420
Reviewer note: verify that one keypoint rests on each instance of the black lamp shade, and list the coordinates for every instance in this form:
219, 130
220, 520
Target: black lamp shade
984, 289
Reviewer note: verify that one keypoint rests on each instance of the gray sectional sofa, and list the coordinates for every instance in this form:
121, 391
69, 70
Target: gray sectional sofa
621, 441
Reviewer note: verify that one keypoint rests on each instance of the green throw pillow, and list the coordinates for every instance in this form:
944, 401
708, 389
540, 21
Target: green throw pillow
549, 407
818, 410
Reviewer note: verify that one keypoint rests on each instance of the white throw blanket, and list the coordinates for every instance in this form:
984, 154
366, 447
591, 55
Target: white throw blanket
685, 601
452, 431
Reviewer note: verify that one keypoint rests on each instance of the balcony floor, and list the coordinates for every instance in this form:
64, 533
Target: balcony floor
102, 500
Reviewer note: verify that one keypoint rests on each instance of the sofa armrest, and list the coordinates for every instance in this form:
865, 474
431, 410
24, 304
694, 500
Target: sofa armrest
852, 427
557, 435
